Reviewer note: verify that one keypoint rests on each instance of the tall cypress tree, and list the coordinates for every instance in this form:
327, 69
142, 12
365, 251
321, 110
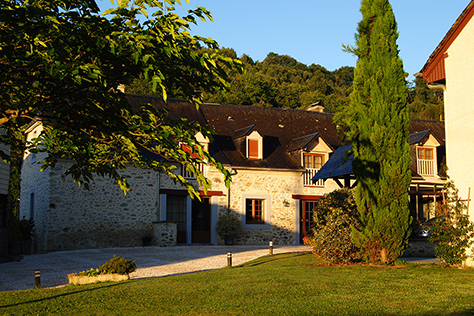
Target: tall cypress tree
377, 124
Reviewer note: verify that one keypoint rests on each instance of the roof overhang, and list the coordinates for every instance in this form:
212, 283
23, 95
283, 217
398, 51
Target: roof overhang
434, 69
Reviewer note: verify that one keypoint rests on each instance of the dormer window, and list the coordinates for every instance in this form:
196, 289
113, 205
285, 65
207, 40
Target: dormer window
254, 146
249, 142
312, 164
425, 144
313, 161
313, 151
425, 161
204, 141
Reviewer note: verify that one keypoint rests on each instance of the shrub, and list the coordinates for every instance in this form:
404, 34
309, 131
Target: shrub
90, 272
333, 218
27, 228
452, 231
228, 225
117, 265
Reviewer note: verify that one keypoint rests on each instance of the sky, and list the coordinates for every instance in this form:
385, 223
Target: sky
313, 31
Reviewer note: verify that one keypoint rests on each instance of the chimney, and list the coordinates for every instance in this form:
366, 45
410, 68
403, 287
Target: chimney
316, 107
121, 88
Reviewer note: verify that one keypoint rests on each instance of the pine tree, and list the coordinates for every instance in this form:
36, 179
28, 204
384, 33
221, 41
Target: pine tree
377, 124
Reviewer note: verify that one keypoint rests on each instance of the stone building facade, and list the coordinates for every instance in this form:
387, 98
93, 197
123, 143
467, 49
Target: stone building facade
272, 155
69, 217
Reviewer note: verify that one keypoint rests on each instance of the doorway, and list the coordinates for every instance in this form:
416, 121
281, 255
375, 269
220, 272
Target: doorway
201, 221
176, 212
306, 217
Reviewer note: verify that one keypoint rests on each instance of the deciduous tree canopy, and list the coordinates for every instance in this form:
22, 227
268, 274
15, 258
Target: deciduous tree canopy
61, 62
281, 81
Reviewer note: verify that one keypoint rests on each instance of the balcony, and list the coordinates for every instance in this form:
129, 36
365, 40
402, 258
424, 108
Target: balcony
189, 175
426, 167
308, 175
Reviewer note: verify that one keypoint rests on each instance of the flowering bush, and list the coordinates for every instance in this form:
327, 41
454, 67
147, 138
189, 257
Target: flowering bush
116, 265
452, 232
90, 272
333, 218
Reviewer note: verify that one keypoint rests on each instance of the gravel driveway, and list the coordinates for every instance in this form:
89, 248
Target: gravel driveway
150, 261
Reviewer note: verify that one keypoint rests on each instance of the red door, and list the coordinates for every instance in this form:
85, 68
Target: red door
306, 217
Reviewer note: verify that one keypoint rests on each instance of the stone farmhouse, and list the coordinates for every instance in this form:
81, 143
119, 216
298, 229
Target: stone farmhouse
272, 154
451, 68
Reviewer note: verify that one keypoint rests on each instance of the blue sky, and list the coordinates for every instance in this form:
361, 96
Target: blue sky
313, 31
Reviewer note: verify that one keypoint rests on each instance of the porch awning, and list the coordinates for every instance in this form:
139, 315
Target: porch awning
338, 166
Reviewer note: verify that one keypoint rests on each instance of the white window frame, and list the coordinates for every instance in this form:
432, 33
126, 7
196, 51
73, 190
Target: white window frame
424, 164
309, 173
267, 211
201, 166
254, 136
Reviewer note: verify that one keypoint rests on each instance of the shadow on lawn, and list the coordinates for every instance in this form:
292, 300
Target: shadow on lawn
468, 311
60, 295
268, 259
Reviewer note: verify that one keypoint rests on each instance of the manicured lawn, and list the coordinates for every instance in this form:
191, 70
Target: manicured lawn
292, 284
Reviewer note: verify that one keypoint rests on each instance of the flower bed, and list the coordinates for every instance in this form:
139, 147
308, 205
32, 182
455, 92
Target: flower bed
77, 279
116, 269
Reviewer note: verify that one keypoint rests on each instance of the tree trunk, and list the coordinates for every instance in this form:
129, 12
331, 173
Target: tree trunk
383, 255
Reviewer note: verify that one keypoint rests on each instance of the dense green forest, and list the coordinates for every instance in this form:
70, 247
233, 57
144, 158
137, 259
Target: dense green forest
282, 81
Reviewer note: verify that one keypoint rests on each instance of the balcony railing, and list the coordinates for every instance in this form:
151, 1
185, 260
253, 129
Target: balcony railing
189, 175
426, 167
308, 175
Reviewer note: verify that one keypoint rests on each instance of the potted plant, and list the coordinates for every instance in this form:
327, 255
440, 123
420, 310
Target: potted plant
27, 230
147, 239
14, 236
228, 226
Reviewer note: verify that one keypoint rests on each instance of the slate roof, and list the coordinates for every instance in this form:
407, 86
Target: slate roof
302, 142
339, 165
283, 130
278, 127
418, 137
246, 131
436, 129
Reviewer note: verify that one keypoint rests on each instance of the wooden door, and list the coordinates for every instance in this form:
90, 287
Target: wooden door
306, 217
201, 221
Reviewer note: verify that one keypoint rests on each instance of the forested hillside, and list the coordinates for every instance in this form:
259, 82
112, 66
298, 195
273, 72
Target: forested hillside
282, 81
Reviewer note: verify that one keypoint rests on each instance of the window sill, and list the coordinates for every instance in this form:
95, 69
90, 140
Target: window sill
257, 226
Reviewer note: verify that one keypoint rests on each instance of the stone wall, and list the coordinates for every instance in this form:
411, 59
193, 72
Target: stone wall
38, 183
69, 217
277, 187
164, 234
76, 218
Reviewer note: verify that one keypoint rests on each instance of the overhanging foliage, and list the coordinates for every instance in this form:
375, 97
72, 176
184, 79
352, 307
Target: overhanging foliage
61, 62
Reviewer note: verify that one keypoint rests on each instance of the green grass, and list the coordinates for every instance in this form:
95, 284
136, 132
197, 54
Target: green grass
292, 284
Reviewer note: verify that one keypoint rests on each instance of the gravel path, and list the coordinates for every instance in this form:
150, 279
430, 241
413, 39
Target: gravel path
150, 261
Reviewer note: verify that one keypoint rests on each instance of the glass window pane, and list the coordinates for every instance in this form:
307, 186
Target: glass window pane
254, 209
429, 154
308, 161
